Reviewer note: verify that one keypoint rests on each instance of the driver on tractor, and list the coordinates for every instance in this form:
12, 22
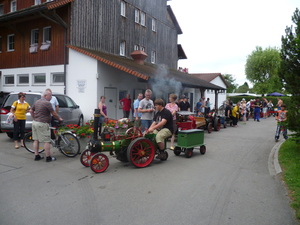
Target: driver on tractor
162, 126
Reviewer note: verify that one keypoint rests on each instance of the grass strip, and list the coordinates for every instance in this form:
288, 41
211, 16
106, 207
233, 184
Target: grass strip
289, 159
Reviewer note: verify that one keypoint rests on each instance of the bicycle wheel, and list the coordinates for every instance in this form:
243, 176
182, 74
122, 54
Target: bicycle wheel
68, 145
28, 143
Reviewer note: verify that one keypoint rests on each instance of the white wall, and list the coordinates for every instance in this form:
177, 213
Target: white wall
32, 70
82, 70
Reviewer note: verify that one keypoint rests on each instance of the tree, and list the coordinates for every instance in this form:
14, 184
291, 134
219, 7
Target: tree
230, 81
262, 69
243, 88
290, 70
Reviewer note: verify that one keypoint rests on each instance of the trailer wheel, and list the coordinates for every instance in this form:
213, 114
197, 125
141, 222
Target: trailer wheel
177, 150
99, 163
141, 152
188, 152
85, 157
202, 149
209, 127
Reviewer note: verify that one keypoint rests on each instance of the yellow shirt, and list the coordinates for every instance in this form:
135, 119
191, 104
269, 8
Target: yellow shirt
20, 109
235, 111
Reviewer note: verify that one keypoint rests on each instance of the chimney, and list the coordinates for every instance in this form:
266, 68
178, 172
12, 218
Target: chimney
139, 56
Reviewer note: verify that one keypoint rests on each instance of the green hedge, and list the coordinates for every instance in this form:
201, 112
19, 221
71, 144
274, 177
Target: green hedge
286, 99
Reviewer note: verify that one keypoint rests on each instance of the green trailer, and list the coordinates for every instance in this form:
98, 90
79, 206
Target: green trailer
187, 140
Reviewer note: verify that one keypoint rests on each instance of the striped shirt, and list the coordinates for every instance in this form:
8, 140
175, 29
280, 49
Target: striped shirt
42, 110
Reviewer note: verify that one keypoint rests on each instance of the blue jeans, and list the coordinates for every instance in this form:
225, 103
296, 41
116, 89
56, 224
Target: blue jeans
146, 124
257, 114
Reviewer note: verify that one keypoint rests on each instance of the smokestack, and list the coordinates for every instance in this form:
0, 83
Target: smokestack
96, 122
139, 56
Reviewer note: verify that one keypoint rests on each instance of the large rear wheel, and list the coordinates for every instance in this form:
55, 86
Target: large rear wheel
217, 124
99, 163
69, 145
28, 143
141, 152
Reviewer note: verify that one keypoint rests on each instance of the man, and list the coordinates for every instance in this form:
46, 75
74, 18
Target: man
279, 103
55, 106
184, 105
257, 106
41, 114
136, 114
146, 107
126, 105
264, 107
162, 126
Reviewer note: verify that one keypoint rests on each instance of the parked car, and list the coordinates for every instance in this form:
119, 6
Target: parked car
2, 97
68, 110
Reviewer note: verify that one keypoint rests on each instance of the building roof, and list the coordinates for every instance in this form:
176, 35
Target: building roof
146, 71
210, 76
30, 13
173, 17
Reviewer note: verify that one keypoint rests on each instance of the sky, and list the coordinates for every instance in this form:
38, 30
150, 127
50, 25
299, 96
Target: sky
218, 35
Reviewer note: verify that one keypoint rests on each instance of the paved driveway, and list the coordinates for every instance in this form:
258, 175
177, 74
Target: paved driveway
230, 184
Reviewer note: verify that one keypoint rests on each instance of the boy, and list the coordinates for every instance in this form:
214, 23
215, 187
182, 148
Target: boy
281, 124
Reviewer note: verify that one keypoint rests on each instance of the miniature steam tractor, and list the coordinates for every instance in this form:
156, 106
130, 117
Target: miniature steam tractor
132, 146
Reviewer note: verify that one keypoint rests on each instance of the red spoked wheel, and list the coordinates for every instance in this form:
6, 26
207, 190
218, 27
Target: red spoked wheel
85, 157
133, 133
141, 152
99, 163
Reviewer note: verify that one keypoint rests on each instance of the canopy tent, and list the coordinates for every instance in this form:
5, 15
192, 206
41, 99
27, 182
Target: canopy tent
275, 94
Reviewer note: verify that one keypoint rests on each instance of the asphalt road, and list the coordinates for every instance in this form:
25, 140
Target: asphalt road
231, 184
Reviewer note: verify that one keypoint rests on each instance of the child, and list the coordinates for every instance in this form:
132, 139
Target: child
281, 124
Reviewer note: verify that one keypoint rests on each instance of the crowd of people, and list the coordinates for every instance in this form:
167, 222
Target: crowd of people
149, 116
257, 109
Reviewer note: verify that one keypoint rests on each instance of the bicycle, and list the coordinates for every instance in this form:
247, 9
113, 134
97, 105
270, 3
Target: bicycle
67, 142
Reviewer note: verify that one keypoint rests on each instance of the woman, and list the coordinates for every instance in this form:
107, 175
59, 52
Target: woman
19, 110
207, 107
173, 107
103, 112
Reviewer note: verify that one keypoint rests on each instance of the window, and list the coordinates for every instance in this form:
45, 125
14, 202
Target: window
136, 47
35, 36
10, 42
1, 9
46, 34
154, 24
0, 44
13, 5
143, 19
143, 49
57, 78
137, 15
49, 0
123, 8
9, 79
39, 79
122, 48
23, 79
37, 2
153, 56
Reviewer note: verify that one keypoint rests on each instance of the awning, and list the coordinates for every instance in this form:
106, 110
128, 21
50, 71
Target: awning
146, 71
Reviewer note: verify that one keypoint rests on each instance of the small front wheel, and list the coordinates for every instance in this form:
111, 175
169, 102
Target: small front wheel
99, 163
86, 157
28, 143
69, 145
